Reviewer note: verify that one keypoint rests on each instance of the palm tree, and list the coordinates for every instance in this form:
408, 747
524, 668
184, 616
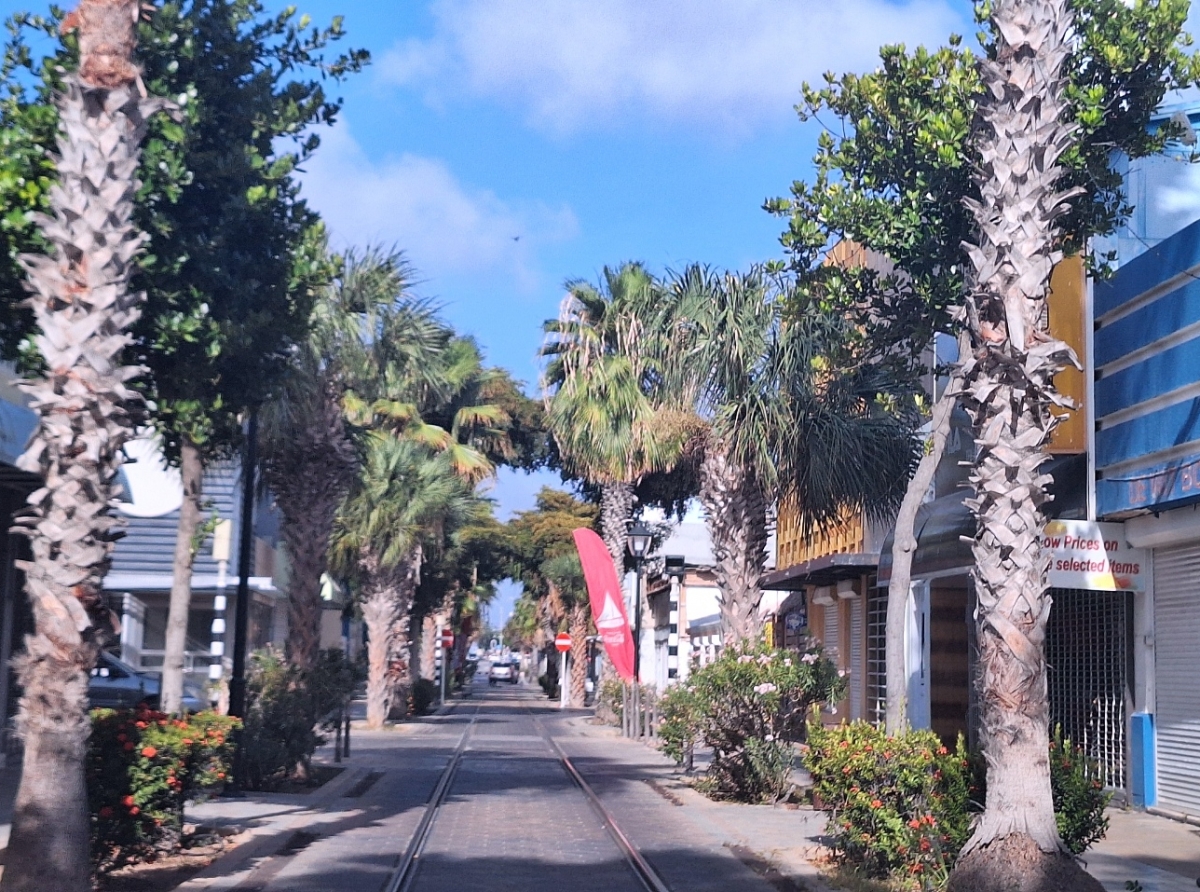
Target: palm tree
1021, 130
83, 307
403, 503
599, 393
309, 454
781, 411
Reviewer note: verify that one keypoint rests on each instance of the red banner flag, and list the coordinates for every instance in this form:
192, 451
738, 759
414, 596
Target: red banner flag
608, 606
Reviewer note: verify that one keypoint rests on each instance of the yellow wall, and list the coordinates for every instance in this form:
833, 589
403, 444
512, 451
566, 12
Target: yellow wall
1068, 285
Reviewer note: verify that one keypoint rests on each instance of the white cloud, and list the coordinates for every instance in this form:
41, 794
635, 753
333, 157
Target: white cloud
730, 63
444, 226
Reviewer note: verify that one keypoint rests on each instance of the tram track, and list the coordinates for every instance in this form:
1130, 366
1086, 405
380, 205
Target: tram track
405, 876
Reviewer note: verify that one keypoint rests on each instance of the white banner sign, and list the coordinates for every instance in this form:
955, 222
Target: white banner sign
1090, 555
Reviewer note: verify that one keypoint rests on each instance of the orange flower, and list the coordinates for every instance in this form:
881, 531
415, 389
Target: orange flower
875, 803
914, 824
187, 741
149, 752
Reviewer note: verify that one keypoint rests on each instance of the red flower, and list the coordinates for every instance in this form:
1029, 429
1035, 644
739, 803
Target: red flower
141, 724
149, 752
875, 803
942, 751
128, 745
135, 810
187, 741
127, 801
914, 824
106, 812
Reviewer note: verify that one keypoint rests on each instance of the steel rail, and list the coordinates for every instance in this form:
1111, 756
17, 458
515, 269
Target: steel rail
410, 863
641, 868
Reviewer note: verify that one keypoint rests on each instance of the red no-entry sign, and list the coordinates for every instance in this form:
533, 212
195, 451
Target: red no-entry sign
562, 641
447, 638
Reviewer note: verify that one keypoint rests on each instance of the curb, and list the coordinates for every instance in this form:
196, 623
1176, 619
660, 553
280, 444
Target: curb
229, 869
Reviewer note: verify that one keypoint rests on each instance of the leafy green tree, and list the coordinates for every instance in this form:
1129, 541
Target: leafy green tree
543, 558
235, 255
1012, 153
893, 172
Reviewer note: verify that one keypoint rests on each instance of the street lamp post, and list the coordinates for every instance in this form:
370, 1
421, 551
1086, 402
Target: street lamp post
639, 543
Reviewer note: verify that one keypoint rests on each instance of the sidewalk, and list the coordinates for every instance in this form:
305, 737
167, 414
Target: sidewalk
362, 811
1160, 854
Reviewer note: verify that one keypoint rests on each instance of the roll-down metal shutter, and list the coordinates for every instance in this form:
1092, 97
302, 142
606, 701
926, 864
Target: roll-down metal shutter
1177, 676
858, 666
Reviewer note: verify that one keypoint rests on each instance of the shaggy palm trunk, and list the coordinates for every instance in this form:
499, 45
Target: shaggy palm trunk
387, 603
191, 472
309, 476
378, 611
83, 306
1021, 134
616, 510
580, 614
429, 646
735, 512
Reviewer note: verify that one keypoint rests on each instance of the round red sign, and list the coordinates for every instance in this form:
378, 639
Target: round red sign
562, 641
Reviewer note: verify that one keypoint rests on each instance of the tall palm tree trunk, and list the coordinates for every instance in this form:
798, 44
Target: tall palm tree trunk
191, 472
616, 509
83, 305
735, 511
378, 610
309, 477
580, 615
1021, 133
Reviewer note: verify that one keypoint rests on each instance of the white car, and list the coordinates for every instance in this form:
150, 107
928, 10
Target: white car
502, 672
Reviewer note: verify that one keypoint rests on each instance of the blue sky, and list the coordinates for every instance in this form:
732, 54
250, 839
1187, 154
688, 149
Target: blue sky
509, 145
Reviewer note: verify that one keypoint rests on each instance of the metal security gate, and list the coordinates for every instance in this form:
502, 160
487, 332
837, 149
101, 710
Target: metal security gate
876, 654
1177, 676
1087, 652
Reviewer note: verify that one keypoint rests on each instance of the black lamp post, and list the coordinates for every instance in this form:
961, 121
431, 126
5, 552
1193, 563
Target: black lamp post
639, 545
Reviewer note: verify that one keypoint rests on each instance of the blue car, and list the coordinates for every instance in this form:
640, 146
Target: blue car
117, 685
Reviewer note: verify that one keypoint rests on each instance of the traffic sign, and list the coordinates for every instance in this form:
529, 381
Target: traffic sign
562, 641
447, 638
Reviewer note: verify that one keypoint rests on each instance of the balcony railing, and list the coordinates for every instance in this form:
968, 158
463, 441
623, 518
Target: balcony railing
847, 537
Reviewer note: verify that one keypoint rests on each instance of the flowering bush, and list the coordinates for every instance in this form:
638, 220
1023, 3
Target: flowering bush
897, 804
902, 805
142, 767
748, 705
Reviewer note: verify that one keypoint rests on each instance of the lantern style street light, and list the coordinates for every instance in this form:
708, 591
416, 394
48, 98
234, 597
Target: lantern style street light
639, 544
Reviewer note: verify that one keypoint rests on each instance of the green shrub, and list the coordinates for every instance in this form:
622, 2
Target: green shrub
423, 695
142, 767
748, 705
285, 711
679, 723
902, 805
898, 805
1079, 797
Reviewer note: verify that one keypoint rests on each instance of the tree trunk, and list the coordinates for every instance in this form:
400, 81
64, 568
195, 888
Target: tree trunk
904, 548
83, 306
1020, 132
191, 471
616, 510
580, 614
378, 610
309, 475
735, 512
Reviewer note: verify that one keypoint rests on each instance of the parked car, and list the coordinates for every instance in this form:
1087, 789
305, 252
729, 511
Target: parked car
502, 672
117, 685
